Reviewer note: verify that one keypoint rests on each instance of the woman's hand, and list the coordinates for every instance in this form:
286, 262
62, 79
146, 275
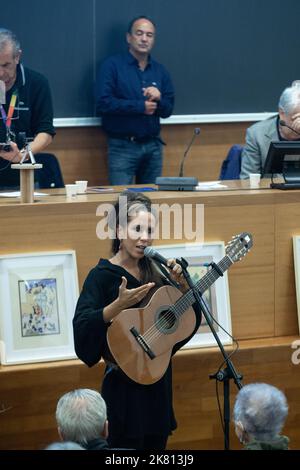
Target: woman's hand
177, 275
127, 298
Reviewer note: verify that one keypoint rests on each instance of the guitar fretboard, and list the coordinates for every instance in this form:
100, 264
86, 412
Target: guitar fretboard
202, 285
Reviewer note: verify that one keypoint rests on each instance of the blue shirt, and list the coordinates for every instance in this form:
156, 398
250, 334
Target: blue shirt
119, 96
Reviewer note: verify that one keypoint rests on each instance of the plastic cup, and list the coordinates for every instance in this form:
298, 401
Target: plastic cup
82, 186
71, 190
254, 180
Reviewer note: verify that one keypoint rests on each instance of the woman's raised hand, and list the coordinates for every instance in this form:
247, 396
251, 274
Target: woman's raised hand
129, 297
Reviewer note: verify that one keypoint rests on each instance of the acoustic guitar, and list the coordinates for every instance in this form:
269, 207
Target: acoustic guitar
141, 339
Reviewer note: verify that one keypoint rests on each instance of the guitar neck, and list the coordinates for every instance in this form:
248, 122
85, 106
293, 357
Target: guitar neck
202, 285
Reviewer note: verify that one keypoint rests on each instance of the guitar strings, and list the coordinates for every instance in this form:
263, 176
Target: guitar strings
183, 303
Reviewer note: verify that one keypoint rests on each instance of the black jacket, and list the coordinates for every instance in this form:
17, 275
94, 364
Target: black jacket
133, 409
99, 444
33, 114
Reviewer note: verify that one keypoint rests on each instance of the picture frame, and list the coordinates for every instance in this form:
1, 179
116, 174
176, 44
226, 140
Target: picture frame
217, 296
38, 295
296, 250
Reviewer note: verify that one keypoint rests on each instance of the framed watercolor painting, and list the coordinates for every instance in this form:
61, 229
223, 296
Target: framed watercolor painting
39, 292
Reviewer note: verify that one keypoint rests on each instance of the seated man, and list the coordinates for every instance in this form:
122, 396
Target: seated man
81, 417
259, 414
27, 109
261, 134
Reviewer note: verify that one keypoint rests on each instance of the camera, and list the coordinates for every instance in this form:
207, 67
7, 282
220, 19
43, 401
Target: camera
4, 147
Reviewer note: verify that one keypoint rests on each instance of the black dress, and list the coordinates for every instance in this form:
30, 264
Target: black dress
134, 410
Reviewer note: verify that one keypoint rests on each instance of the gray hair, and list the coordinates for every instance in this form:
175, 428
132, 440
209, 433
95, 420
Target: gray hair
66, 445
8, 37
81, 415
289, 99
262, 410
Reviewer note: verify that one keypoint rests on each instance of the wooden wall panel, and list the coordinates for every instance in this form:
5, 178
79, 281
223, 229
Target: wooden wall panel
195, 401
30, 394
262, 294
285, 274
253, 277
82, 151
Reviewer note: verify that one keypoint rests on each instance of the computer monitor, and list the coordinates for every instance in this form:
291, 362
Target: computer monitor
284, 158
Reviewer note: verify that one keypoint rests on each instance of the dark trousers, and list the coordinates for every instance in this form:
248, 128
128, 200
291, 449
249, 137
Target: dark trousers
129, 161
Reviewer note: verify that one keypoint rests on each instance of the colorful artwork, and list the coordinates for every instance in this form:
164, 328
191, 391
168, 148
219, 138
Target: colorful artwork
39, 307
196, 273
214, 289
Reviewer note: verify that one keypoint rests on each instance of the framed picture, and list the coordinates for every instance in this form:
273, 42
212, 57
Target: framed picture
296, 248
216, 296
38, 294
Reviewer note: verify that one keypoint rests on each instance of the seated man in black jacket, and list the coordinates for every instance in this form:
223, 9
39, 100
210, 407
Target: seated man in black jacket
27, 108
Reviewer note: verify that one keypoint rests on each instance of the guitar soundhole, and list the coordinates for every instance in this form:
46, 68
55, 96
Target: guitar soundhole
166, 320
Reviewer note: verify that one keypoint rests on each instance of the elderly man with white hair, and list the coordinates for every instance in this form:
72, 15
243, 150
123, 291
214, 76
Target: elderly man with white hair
259, 414
261, 134
81, 418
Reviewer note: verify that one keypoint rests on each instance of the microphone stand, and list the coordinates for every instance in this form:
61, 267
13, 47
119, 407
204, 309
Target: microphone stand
28, 152
27, 172
196, 132
179, 183
229, 372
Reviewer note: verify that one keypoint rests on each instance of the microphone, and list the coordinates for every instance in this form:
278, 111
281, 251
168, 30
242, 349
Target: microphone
149, 252
284, 124
179, 183
196, 132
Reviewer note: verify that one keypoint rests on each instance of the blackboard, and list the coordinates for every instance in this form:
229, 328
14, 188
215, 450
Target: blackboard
225, 56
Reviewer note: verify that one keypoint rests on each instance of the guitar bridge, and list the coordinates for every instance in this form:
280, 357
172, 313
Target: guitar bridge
139, 338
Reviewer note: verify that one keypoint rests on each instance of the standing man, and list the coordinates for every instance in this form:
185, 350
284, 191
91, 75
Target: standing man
27, 109
132, 92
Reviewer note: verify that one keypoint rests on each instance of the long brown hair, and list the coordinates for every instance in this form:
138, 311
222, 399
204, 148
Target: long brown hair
135, 202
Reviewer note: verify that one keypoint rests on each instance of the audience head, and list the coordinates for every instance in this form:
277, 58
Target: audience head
289, 100
10, 53
140, 36
7, 37
296, 83
66, 445
81, 416
138, 18
289, 111
259, 412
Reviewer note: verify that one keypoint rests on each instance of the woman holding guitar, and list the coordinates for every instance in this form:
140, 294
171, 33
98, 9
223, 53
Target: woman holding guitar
140, 416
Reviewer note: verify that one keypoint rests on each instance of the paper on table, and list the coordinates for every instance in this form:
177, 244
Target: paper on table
18, 194
209, 185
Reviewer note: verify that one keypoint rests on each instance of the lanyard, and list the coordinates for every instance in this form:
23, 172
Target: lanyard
7, 118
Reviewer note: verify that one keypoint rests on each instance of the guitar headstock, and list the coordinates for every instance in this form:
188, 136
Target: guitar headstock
239, 246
